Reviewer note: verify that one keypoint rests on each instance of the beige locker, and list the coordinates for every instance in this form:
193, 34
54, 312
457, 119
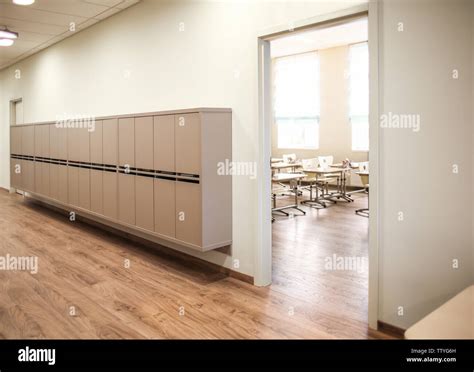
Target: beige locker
188, 144
163, 138
96, 144
28, 140
110, 194
63, 183
73, 144
45, 179
97, 191
15, 140
126, 198
84, 145
38, 141
62, 137
143, 207
144, 142
126, 148
38, 170
54, 181
15, 173
54, 142
84, 188
165, 207
73, 186
188, 213
45, 146
28, 175
110, 141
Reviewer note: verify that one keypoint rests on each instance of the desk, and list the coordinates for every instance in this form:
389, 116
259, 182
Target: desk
342, 192
292, 178
282, 165
319, 171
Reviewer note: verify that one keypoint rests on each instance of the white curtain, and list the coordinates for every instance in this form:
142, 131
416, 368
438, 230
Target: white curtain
296, 101
359, 96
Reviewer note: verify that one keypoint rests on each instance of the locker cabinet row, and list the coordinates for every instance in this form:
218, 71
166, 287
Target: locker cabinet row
170, 143
167, 207
173, 191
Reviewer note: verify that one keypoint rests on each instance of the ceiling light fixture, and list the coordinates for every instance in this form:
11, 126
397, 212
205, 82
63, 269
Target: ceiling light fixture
6, 42
23, 2
7, 34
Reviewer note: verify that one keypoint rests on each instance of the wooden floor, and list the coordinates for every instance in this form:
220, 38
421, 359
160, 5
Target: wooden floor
161, 297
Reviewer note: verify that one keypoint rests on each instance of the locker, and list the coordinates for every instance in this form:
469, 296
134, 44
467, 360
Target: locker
96, 191
126, 198
63, 183
38, 140
163, 139
54, 142
62, 138
73, 186
28, 140
15, 140
144, 142
84, 189
38, 171
83, 138
73, 144
110, 141
126, 135
45, 148
188, 213
54, 181
188, 144
96, 144
144, 207
45, 184
165, 207
28, 175
15, 173
110, 194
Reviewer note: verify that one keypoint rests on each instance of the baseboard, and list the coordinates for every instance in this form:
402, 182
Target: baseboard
391, 329
158, 248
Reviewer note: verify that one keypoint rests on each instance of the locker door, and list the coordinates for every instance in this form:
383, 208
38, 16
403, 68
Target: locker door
96, 144
38, 149
63, 183
163, 134
126, 198
126, 142
73, 185
15, 140
84, 188
28, 140
38, 174
144, 143
45, 184
54, 142
73, 144
54, 181
28, 175
165, 207
84, 145
144, 202
45, 145
15, 173
97, 191
188, 143
62, 138
188, 213
110, 194
110, 141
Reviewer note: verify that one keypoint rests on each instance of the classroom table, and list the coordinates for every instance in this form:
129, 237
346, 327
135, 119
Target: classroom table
342, 192
293, 178
321, 171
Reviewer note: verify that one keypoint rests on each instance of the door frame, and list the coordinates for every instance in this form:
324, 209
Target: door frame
263, 253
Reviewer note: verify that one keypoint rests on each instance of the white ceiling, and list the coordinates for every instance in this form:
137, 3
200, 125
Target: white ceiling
47, 21
344, 34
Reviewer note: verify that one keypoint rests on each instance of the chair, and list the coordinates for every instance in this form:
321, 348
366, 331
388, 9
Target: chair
364, 177
326, 162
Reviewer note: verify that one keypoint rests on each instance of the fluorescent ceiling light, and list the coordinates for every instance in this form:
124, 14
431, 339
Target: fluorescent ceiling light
23, 2
6, 42
7, 34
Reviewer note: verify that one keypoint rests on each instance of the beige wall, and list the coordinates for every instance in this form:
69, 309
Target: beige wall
334, 130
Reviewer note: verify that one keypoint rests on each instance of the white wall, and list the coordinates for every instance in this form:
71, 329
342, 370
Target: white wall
416, 168
214, 63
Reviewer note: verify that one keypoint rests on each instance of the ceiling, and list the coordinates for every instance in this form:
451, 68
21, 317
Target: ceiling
47, 21
351, 32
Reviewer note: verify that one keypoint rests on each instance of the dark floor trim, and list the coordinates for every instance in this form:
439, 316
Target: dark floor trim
391, 329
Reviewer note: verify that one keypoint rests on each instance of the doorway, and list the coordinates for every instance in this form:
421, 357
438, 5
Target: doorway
265, 255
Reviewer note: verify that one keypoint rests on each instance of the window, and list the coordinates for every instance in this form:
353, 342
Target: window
359, 96
296, 101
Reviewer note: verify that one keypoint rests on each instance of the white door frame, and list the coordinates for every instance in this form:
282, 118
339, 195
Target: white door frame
263, 253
